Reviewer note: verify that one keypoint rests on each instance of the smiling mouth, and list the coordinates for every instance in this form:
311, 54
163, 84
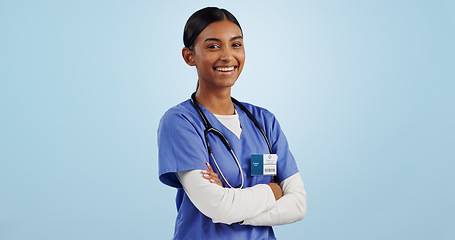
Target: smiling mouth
225, 69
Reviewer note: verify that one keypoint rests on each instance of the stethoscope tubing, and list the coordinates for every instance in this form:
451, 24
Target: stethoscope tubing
210, 129
256, 123
221, 173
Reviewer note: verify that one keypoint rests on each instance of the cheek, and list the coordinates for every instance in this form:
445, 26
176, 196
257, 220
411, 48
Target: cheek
241, 60
241, 57
207, 62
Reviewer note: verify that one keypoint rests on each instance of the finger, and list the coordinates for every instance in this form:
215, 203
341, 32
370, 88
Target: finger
218, 182
209, 167
216, 179
213, 175
206, 176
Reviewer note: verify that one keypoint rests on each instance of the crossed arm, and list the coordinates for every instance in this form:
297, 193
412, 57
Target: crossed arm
260, 205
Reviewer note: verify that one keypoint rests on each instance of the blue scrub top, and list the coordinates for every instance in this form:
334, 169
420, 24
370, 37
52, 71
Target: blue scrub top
182, 146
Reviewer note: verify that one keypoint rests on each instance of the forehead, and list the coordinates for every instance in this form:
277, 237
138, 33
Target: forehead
222, 30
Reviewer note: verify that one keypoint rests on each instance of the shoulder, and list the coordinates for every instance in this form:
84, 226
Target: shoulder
180, 109
179, 114
180, 119
260, 113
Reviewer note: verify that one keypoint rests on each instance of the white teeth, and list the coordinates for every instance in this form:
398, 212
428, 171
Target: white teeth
225, 69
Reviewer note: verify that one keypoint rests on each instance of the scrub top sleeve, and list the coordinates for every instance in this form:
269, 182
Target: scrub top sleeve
286, 165
180, 147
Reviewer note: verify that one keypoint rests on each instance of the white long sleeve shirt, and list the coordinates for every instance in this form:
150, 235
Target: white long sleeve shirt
288, 209
254, 205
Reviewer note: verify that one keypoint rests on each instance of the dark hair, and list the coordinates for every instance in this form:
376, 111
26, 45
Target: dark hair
201, 19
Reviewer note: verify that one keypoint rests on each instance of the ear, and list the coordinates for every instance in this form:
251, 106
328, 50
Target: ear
188, 56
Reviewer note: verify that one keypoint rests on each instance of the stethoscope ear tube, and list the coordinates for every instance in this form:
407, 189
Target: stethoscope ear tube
220, 135
256, 123
209, 149
198, 109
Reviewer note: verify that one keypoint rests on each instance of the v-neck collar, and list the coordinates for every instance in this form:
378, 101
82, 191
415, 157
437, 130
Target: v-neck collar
220, 126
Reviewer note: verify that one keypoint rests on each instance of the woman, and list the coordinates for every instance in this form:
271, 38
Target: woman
209, 208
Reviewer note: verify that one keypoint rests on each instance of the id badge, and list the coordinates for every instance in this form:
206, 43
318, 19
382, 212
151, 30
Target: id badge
263, 164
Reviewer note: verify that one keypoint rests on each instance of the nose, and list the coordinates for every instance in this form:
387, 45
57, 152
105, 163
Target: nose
226, 54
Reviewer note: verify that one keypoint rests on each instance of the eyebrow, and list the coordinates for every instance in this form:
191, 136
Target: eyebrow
218, 40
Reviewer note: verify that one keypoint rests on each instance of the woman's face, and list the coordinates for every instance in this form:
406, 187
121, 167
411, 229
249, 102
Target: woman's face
219, 55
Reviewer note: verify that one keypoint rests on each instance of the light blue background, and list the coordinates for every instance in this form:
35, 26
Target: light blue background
364, 90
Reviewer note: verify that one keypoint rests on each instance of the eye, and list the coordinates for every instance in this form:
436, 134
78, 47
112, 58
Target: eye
237, 45
213, 46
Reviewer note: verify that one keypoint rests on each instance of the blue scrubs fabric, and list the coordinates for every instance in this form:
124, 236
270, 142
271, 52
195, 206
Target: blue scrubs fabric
182, 146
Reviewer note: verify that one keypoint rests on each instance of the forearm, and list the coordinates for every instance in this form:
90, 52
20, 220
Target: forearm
289, 208
225, 205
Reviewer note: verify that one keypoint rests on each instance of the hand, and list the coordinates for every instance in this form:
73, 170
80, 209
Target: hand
211, 175
277, 191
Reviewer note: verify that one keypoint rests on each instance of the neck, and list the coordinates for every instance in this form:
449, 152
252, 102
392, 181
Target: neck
217, 102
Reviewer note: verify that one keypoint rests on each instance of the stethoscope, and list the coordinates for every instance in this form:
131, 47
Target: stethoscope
210, 129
